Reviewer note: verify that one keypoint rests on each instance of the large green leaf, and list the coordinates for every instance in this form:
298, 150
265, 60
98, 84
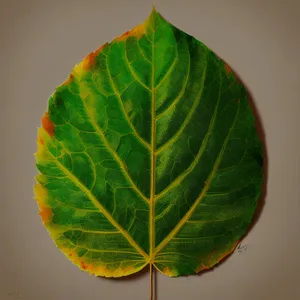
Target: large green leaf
148, 154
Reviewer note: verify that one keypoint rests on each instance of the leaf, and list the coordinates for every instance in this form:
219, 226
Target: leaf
148, 154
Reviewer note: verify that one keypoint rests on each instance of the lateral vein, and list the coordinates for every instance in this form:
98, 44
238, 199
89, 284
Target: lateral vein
199, 154
202, 194
188, 118
169, 71
181, 93
115, 155
147, 145
99, 206
135, 76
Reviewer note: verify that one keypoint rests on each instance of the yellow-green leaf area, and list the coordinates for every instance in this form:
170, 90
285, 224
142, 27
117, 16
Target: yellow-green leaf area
148, 154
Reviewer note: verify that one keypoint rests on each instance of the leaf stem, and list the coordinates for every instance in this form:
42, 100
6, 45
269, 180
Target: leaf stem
151, 281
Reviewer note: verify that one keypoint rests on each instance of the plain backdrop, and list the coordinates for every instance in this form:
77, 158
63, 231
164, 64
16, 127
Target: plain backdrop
41, 41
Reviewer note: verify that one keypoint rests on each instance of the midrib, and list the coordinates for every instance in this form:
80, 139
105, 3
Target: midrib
153, 161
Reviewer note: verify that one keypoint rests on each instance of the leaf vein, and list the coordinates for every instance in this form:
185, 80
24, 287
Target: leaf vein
92, 231
142, 52
115, 155
181, 93
136, 77
75, 208
153, 160
146, 144
199, 154
189, 213
188, 118
100, 207
176, 59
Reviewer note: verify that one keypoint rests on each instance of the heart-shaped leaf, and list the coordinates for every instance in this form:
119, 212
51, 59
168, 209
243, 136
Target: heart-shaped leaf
148, 154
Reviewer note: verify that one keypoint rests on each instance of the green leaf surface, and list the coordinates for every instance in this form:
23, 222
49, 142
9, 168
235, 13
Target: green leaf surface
148, 154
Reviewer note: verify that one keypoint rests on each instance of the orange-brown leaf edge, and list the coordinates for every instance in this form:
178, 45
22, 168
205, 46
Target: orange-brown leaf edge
227, 68
69, 80
40, 140
137, 31
83, 265
223, 256
89, 61
48, 124
46, 214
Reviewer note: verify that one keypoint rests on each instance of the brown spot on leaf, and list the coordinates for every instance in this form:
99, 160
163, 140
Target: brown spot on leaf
41, 141
83, 265
88, 61
227, 68
229, 71
46, 214
47, 124
166, 271
69, 80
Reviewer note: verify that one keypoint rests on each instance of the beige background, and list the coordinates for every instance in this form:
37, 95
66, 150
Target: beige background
41, 41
